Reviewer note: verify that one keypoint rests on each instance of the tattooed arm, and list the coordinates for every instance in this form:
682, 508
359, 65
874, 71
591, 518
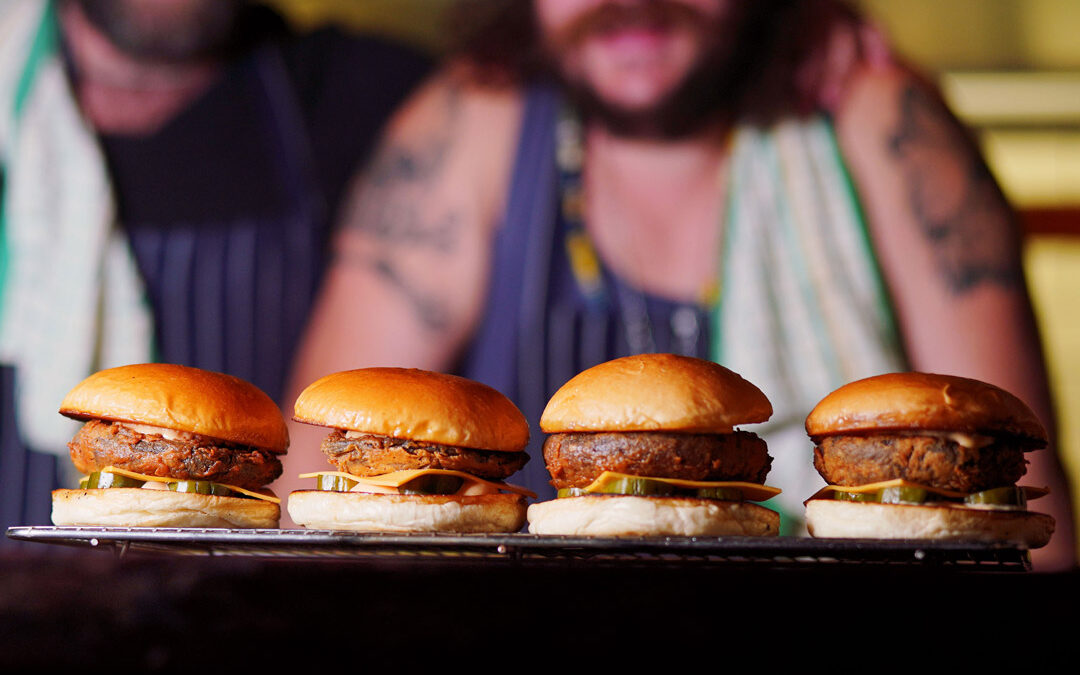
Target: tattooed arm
949, 248
407, 281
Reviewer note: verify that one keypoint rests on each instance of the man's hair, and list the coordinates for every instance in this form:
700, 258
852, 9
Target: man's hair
776, 40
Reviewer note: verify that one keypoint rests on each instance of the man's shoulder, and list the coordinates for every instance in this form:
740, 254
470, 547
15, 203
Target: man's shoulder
874, 97
453, 99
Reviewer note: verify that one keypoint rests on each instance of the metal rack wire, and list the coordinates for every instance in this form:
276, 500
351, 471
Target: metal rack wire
526, 549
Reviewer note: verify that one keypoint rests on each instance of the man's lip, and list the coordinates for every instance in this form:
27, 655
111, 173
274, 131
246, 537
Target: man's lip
632, 39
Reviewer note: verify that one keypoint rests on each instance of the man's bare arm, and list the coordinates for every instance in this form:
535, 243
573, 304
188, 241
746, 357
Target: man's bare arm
949, 248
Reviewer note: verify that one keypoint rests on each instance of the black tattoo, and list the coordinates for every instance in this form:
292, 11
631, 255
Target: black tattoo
429, 310
392, 210
390, 205
959, 207
431, 313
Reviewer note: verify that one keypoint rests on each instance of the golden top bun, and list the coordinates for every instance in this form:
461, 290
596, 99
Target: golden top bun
923, 401
418, 405
655, 392
181, 398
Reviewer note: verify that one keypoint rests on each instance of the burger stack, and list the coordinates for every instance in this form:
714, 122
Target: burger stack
647, 445
412, 451
923, 456
171, 446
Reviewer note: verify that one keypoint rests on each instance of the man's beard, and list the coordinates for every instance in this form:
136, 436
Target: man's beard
709, 93
202, 31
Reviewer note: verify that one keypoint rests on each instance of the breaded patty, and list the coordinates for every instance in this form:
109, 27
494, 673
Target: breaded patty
929, 460
99, 444
372, 455
577, 459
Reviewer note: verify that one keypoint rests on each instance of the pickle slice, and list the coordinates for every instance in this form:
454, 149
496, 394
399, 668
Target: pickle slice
646, 487
902, 495
855, 496
202, 487
432, 484
105, 479
1001, 496
334, 483
890, 495
640, 487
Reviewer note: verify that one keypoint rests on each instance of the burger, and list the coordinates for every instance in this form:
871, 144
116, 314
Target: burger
412, 451
171, 446
647, 445
922, 456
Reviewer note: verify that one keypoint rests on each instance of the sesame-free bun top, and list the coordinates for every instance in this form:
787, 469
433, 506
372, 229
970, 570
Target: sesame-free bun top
181, 398
923, 401
655, 392
418, 405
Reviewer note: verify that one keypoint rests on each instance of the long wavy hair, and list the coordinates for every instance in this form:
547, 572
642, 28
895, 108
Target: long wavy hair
776, 39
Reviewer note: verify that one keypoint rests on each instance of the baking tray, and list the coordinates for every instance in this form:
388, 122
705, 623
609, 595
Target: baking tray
527, 549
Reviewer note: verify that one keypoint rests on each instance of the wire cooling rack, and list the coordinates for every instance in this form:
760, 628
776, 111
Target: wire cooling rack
526, 549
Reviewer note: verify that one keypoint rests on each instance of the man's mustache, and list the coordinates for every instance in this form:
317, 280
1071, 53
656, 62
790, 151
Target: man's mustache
614, 16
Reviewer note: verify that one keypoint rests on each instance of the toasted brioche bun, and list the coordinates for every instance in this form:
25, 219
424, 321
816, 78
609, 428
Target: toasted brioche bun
858, 520
357, 511
624, 516
137, 507
416, 405
923, 401
181, 398
655, 392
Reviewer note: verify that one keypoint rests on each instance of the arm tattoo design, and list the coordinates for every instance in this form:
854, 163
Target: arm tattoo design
392, 210
954, 198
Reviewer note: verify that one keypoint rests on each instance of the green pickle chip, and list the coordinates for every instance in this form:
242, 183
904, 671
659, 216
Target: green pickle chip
105, 479
334, 483
1002, 496
903, 495
855, 496
647, 487
202, 487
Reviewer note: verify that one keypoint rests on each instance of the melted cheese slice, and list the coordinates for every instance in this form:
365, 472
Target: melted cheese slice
754, 492
1030, 492
388, 483
263, 494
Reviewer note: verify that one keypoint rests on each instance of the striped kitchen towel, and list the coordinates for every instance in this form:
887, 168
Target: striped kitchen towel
71, 298
803, 308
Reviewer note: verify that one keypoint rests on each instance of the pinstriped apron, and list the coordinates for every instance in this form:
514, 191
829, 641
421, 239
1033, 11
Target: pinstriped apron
802, 306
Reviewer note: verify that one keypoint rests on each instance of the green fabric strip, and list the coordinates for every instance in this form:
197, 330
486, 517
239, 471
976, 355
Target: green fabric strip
41, 48
886, 309
716, 337
797, 260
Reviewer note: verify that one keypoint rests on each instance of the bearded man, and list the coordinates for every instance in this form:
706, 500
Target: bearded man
169, 172
752, 182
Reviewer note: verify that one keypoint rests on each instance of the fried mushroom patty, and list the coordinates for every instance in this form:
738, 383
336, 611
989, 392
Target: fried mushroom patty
99, 444
372, 455
577, 459
933, 461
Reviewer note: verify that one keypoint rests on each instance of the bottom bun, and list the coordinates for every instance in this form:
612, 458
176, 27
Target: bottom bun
139, 507
365, 512
656, 516
854, 520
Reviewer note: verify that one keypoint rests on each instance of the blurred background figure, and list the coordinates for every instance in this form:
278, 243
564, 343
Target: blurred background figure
169, 172
757, 183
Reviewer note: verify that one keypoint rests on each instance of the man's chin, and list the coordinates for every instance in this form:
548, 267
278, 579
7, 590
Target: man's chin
673, 116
